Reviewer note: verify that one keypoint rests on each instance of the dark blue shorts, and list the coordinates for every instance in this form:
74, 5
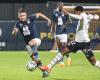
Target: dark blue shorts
75, 46
28, 38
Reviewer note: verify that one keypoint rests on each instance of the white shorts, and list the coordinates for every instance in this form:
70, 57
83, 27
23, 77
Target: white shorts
33, 49
62, 37
38, 41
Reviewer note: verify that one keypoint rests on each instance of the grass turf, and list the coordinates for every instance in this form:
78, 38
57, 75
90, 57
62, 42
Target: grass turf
13, 67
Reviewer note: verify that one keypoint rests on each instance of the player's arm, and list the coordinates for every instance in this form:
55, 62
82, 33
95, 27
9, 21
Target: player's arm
15, 31
54, 22
43, 16
75, 16
53, 26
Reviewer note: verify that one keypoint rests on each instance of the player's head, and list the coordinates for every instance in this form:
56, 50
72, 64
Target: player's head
78, 10
22, 14
60, 6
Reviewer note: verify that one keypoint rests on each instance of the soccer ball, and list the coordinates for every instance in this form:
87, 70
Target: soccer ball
31, 65
96, 17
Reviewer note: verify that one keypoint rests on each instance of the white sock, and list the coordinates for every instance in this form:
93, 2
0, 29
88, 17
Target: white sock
29, 49
97, 64
56, 60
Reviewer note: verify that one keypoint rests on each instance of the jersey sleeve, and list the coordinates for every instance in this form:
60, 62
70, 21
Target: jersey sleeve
16, 25
75, 16
32, 17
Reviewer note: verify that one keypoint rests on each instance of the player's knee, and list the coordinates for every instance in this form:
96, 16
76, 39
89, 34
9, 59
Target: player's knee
89, 53
63, 49
32, 42
63, 44
37, 41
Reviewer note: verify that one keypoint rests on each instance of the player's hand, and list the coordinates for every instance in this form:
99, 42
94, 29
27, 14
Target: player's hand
14, 32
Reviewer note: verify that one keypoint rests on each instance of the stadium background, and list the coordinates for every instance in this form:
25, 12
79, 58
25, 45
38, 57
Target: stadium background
8, 17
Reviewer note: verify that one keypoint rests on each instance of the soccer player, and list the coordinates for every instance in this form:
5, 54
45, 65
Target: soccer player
59, 28
82, 41
27, 28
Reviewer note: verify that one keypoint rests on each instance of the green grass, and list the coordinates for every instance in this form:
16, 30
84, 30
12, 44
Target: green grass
13, 67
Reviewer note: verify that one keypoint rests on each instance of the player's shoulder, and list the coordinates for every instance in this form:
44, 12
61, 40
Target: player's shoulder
31, 17
17, 22
83, 14
55, 11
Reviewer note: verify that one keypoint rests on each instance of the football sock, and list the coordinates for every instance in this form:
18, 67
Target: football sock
29, 49
56, 60
62, 60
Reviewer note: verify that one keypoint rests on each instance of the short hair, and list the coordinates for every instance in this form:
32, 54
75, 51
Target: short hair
79, 8
60, 4
22, 10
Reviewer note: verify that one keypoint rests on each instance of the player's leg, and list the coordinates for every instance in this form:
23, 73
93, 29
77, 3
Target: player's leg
64, 50
63, 46
32, 50
58, 40
90, 56
69, 61
62, 64
34, 43
56, 60
63, 41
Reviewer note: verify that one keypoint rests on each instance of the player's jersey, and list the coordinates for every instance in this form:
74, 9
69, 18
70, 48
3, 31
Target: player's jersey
60, 19
82, 29
27, 28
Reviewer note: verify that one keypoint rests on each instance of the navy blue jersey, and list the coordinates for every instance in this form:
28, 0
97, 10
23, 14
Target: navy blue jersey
60, 18
27, 28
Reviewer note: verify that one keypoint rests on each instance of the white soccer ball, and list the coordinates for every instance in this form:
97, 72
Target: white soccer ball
90, 16
31, 65
96, 17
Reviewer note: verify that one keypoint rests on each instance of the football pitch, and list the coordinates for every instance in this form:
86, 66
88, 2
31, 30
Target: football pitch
13, 67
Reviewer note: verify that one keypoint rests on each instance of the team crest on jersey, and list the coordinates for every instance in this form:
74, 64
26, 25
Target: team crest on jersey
20, 25
56, 14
